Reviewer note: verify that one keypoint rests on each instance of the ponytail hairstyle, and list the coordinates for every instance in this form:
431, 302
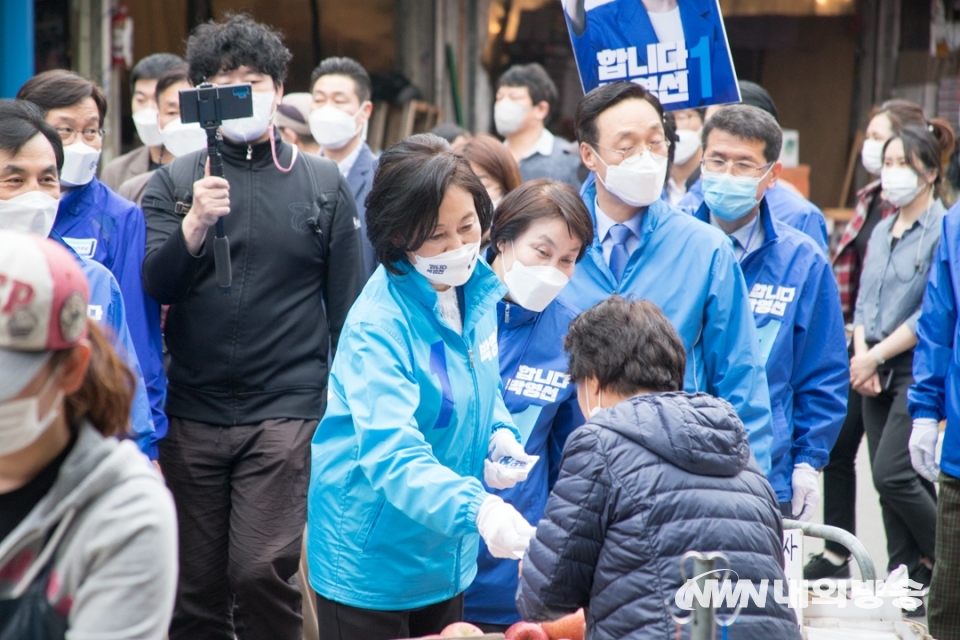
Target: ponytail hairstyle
921, 150
106, 395
903, 113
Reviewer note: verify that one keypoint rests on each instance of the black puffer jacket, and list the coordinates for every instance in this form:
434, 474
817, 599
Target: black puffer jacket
641, 484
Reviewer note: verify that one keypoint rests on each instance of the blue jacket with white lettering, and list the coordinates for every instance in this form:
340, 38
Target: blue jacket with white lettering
796, 306
100, 225
544, 407
397, 459
786, 206
689, 270
106, 308
935, 392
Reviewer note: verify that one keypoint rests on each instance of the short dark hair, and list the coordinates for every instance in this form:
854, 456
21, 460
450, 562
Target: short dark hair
535, 78
536, 200
238, 41
404, 203
153, 66
20, 122
921, 150
59, 89
628, 346
747, 123
603, 98
488, 152
343, 66
170, 77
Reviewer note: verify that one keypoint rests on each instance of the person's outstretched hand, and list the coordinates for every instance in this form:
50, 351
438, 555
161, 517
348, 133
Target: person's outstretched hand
505, 531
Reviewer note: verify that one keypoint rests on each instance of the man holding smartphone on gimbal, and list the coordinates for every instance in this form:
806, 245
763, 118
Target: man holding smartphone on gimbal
248, 364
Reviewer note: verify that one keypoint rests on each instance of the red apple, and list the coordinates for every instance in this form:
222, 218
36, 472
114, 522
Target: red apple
571, 627
526, 631
460, 630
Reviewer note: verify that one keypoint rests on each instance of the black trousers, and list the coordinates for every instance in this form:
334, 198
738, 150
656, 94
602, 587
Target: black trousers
944, 602
343, 622
840, 474
241, 496
907, 501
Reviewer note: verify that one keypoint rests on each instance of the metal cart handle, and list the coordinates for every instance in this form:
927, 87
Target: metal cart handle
838, 535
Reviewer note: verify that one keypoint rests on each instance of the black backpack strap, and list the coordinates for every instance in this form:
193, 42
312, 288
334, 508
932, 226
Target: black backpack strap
325, 181
183, 173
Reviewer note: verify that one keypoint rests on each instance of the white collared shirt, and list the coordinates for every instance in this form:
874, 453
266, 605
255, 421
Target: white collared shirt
347, 163
544, 145
604, 222
750, 236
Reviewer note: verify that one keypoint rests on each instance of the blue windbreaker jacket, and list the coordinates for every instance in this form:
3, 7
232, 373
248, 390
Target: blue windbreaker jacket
785, 205
397, 459
689, 270
106, 308
100, 225
543, 403
935, 392
796, 306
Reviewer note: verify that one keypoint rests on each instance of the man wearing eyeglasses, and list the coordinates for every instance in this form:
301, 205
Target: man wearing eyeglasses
97, 223
793, 296
645, 248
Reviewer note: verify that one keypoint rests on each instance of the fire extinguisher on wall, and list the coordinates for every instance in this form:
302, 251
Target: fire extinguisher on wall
121, 39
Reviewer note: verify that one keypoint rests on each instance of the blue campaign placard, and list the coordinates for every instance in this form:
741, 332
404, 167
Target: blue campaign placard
677, 49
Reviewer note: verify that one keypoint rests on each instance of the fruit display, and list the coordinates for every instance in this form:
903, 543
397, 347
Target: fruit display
569, 627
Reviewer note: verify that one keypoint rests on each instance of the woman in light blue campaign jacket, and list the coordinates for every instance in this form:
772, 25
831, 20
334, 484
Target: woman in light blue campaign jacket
539, 232
415, 416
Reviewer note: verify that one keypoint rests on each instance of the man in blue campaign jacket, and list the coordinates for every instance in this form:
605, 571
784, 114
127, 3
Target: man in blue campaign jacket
97, 223
686, 268
603, 36
31, 155
786, 206
531, 357
107, 309
794, 299
935, 396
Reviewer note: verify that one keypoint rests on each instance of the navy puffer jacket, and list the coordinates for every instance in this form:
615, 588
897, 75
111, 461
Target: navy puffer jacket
641, 484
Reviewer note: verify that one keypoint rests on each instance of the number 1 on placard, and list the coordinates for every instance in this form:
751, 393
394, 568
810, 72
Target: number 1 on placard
702, 53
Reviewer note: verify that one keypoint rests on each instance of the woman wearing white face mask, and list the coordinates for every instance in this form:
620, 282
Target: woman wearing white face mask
414, 416
839, 476
540, 231
495, 167
888, 306
87, 529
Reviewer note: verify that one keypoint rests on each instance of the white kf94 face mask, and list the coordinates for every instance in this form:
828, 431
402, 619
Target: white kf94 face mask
181, 139
333, 128
451, 268
20, 424
79, 164
533, 288
33, 212
148, 130
638, 180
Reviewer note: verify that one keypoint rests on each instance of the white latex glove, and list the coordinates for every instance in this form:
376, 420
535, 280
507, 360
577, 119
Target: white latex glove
505, 531
503, 444
923, 448
806, 491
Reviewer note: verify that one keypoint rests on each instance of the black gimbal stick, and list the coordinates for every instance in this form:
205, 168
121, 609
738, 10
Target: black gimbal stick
221, 245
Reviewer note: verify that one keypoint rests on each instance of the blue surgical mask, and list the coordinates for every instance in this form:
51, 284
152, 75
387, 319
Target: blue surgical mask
730, 197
